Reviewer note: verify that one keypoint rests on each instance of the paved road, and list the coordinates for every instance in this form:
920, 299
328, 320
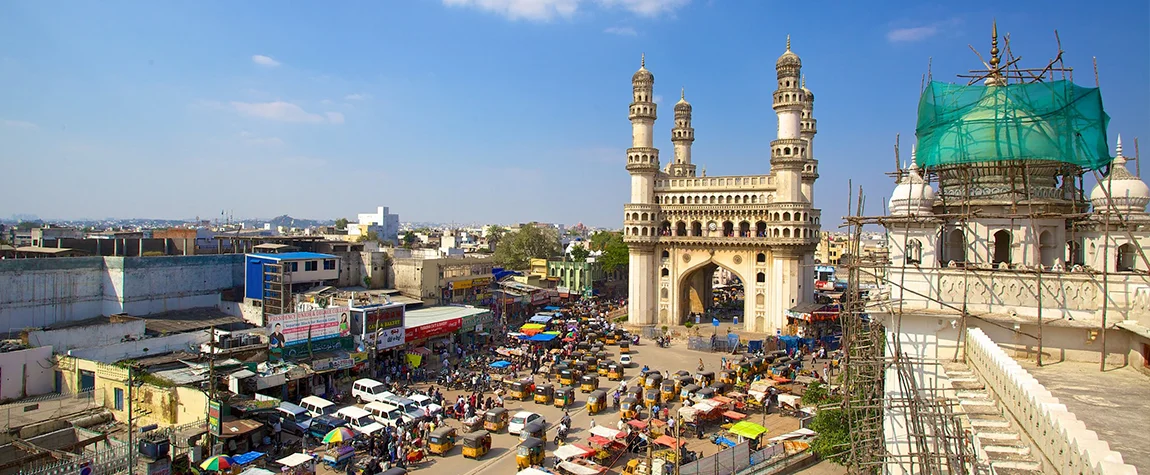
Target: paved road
501, 459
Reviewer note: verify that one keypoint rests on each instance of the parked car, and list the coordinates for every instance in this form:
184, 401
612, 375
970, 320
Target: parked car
359, 419
521, 419
625, 360
368, 390
321, 425
387, 414
295, 420
425, 402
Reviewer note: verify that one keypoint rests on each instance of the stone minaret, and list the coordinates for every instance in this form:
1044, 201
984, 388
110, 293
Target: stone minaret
641, 215
682, 135
808, 127
789, 150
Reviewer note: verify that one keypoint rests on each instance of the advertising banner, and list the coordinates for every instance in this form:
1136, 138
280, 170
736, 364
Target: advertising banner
459, 284
214, 417
433, 329
296, 328
540, 296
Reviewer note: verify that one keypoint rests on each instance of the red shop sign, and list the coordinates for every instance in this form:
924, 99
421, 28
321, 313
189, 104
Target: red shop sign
433, 329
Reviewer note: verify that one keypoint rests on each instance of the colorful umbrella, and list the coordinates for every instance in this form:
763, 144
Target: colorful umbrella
337, 435
218, 463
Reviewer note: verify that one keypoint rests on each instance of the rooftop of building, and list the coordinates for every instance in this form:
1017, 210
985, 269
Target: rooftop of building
1107, 401
427, 315
182, 321
293, 256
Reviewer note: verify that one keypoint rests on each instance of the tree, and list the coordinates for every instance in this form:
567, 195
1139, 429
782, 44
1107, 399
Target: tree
830, 422
496, 233
579, 253
409, 239
370, 236
615, 253
341, 223
367, 281
530, 242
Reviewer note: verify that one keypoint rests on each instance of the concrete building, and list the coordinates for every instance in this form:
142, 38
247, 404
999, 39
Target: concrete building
680, 227
274, 278
25, 372
581, 277
38, 236
443, 280
381, 222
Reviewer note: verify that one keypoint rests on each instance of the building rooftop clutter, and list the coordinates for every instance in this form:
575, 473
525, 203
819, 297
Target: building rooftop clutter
292, 256
182, 321
424, 316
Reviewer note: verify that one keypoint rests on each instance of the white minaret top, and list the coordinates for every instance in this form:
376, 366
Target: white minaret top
682, 135
642, 157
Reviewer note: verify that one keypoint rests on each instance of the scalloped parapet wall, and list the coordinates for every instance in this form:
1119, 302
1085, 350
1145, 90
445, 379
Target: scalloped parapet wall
1064, 441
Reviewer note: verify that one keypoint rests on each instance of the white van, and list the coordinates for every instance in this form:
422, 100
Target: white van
368, 390
406, 405
359, 419
318, 406
387, 414
425, 402
296, 420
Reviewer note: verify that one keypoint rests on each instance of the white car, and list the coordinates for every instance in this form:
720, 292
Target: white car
625, 360
521, 419
424, 402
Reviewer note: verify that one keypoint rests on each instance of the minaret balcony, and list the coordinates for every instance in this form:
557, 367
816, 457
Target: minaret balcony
642, 159
643, 110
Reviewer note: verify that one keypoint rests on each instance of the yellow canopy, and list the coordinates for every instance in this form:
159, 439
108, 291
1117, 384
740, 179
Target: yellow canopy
747, 429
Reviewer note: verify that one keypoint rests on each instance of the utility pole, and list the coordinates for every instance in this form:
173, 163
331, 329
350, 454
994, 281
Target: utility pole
212, 386
131, 428
678, 442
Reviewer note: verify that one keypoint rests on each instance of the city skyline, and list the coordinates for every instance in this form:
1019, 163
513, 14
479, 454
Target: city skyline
489, 111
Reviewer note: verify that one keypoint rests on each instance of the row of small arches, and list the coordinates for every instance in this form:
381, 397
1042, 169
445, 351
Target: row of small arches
703, 200
642, 109
760, 258
776, 216
786, 151
637, 158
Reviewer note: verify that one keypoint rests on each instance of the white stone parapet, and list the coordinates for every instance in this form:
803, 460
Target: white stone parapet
1063, 440
716, 183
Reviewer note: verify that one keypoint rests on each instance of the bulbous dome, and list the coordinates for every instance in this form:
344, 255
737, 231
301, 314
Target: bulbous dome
789, 59
913, 195
683, 105
643, 75
1128, 192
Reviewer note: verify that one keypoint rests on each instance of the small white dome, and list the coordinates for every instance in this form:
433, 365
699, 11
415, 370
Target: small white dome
913, 195
1128, 192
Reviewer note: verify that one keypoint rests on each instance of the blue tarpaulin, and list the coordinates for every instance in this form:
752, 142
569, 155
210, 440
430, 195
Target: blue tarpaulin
543, 337
540, 319
754, 346
551, 308
247, 458
501, 364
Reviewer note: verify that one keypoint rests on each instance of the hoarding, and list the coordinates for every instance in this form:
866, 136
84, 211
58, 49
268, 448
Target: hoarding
214, 417
382, 324
434, 329
296, 328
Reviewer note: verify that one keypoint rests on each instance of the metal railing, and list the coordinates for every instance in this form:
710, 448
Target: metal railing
107, 461
46, 407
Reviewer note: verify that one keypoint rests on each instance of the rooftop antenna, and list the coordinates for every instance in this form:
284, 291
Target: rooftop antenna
897, 161
1137, 159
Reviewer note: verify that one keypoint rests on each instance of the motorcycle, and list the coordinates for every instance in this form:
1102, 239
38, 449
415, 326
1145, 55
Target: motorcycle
561, 435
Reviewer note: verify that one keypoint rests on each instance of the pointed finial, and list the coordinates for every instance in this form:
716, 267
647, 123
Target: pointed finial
788, 42
994, 44
1118, 148
683, 96
643, 60
913, 156
804, 80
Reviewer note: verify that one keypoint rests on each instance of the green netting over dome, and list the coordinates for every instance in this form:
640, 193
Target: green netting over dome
1053, 121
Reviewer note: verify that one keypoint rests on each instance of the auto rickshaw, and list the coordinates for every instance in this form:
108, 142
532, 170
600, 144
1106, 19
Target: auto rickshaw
558, 369
682, 381
583, 346
441, 441
476, 444
704, 378
628, 409
602, 367
688, 392
596, 401
530, 452
536, 429
682, 372
567, 377
705, 393
495, 419
720, 388
518, 390
635, 391
615, 371
668, 390
652, 379
591, 360
624, 347
544, 394
727, 377
581, 367
652, 397
758, 364
611, 339
564, 396
588, 383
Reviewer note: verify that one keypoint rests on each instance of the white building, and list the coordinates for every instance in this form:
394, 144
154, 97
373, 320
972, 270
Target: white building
381, 222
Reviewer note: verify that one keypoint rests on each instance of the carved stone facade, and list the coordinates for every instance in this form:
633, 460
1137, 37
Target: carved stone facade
682, 227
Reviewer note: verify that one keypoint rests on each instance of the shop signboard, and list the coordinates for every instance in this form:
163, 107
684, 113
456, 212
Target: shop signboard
825, 285
297, 328
472, 322
433, 329
459, 284
332, 364
540, 296
214, 417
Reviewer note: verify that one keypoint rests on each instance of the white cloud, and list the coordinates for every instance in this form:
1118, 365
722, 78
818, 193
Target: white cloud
621, 31
327, 102
544, 10
253, 139
264, 60
283, 112
921, 32
358, 97
18, 124
658, 99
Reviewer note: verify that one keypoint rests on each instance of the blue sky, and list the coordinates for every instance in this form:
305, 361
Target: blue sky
479, 110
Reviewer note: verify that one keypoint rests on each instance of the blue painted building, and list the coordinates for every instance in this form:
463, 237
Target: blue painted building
272, 278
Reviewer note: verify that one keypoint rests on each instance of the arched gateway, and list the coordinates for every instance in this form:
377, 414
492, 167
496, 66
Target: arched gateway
681, 227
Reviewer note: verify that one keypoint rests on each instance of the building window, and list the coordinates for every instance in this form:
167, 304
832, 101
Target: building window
310, 266
119, 396
294, 266
1002, 244
329, 264
1126, 254
914, 252
760, 277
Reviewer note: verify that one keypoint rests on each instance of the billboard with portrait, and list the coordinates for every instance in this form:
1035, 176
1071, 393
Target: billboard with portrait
296, 328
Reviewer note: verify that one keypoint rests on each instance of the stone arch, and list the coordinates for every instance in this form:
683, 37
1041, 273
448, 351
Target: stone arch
1002, 247
761, 258
738, 199
761, 277
787, 216
665, 254
685, 275
744, 229
728, 229
680, 228
644, 232
954, 242
760, 300
696, 228
1125, 261
663, 294
776, 232
786, 232
634, 231
760, 228
1047, 251
644, 217
665, 272
914, 251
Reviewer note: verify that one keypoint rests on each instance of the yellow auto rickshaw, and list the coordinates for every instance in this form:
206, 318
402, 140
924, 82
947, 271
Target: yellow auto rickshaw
624, 347
495, 419
668, 390
652, 397
652, 379
567, 377
628, 409
610, 339
529, 452
544, 393
688, 392
727, 377
518, 390
681, 381
537, 429
564, 396
596, 401
476, 444
581, 367
441, 441
602, 367
615, 371
589, 383
704, 378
